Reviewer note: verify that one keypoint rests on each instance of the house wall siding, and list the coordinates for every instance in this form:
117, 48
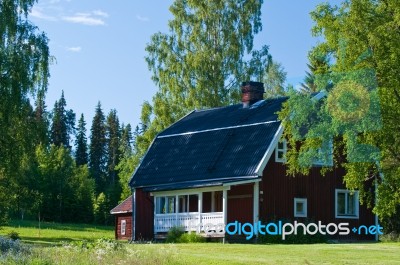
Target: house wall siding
279, 191
240, 203
144, 215
128, 229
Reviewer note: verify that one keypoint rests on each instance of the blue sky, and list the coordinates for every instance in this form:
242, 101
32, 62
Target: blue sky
99, 48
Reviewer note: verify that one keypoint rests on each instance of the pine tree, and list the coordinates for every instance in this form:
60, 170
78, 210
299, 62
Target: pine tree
63, 123
81, 148
97, 149
113, 136
41, 119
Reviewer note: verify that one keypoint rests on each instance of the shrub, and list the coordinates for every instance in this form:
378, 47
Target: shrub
191, 237
13, 235
174, 234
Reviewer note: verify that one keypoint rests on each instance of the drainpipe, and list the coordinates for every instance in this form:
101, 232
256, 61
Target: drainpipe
133, 214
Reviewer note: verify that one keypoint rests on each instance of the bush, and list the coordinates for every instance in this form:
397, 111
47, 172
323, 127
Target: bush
174, 234
191, 237
13, 235
177, 235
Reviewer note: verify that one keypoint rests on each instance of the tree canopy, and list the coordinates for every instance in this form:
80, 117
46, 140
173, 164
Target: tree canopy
362, 42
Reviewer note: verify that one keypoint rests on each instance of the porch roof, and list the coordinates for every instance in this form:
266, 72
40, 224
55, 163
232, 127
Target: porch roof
210, 148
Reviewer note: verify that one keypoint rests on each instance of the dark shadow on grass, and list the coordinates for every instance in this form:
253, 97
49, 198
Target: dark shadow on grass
58, 226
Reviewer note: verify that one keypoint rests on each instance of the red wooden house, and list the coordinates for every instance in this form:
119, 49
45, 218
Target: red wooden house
221, 165
123, 219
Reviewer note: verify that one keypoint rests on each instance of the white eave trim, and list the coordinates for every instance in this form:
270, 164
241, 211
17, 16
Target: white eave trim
120, 212
270, 150
241, 182
217, 129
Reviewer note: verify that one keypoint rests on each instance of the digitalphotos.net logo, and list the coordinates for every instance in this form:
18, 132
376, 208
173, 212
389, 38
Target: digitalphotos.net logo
285, 229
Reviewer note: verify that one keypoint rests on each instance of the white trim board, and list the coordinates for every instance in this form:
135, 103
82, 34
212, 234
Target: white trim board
189, 191
271, 148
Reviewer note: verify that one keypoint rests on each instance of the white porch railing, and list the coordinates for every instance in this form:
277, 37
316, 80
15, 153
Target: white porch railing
187, 221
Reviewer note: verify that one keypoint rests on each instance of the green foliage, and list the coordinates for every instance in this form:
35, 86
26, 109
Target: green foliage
191, 237
177, 235
274, 80
97, 149
102, 209
174, 234
24, 72
200, 62
63, 123
362, 43
65, 192
81, 147
13, 235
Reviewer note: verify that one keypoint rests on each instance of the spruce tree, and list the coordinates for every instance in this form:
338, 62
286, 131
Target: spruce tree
63, 123
97, 149
81, 148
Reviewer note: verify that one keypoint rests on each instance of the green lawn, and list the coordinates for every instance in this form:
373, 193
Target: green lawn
379, 253
55, 233
49, 248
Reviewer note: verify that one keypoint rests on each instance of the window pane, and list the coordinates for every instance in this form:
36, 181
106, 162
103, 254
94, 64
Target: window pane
281, 145
170, 204
160, 205
299, 207
193, 203
351, 204
182, 203
341, 203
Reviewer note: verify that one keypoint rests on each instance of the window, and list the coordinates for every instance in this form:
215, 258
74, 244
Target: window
346, 204
280, 151
123, 227
324, 155
188, 203
165, 204
300, 207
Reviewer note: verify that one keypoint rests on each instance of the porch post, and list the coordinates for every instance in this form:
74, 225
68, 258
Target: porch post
154, 215
176, 210
133, 214
256, 204
213, 201
225, 205
200, 205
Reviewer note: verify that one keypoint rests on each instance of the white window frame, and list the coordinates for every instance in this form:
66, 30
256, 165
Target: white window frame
281, 150
123, 227
300, 200
356, 205
166, 206
330, 159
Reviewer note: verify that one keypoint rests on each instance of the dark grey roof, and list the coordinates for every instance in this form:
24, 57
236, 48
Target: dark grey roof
210, 147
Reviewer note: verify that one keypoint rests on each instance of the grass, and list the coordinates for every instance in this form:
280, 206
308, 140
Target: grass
55, 233
48, 249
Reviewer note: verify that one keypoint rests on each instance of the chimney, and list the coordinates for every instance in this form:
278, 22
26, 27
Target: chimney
251, 93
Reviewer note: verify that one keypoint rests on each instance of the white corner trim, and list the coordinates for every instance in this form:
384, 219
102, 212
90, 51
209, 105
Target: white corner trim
320, 95
270, 150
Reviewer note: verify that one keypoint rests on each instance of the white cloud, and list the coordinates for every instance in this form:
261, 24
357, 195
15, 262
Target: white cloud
141, 18
85, 19
74, 49
100, 13
37, 12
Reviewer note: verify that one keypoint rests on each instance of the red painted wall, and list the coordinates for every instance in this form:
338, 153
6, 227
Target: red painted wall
128, 229
144, 215
279, 191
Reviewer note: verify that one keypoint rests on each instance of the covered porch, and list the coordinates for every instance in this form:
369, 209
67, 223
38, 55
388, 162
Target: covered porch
203, 210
